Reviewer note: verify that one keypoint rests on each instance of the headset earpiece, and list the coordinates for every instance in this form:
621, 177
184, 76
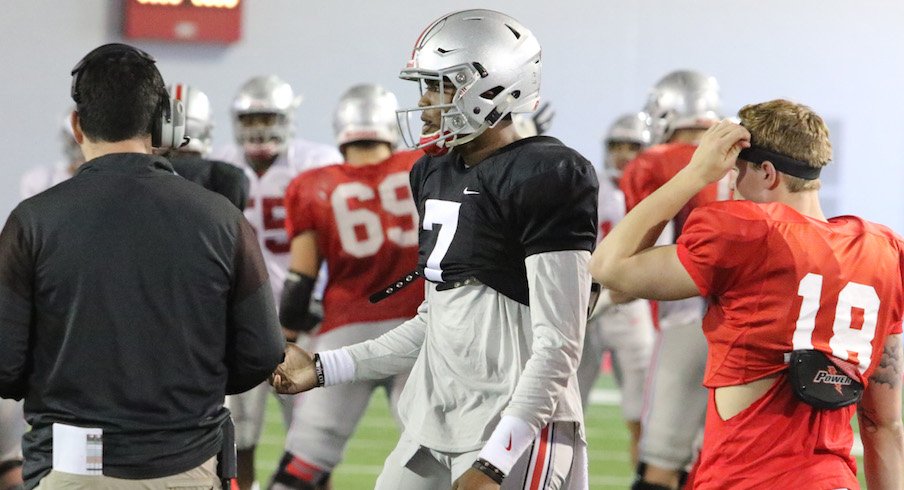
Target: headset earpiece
169, 125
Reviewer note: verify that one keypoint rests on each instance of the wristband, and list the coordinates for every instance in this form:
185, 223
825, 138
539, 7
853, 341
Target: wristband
337, 367
489, 470
318, 369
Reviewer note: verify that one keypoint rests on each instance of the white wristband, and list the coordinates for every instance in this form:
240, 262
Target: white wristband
509, 440
338, 367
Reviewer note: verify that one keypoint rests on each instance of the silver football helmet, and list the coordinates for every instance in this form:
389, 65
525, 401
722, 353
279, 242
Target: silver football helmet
628, 128
493, 63
366, 113
198, 118
265, 95
680, 100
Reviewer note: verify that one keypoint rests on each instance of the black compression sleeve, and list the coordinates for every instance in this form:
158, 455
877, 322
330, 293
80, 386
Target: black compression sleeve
295, 301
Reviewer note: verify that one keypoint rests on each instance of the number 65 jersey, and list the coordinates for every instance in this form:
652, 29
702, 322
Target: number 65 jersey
366, 225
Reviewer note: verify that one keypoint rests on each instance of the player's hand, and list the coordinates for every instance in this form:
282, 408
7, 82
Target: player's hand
296, 373
474, 480
718, 150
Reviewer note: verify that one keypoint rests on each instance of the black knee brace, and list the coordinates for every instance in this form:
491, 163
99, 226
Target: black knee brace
285, 479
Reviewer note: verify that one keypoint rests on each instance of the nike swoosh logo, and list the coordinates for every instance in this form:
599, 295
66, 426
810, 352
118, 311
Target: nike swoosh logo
509, 447
469, 192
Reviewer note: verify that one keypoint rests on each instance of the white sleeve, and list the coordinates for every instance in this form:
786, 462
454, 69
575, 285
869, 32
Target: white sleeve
391, 353
559, 285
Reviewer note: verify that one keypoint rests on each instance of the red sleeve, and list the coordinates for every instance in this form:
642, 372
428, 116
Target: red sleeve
639, 181
299, 210
719, 242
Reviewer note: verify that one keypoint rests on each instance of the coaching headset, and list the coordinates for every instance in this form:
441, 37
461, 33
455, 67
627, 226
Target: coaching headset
168, 129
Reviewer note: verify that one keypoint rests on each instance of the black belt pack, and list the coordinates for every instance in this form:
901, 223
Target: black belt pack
822, 381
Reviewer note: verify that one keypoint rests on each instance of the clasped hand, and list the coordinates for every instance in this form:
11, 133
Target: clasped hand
296, 373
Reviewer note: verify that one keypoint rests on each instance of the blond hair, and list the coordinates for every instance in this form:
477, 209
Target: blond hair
791, 129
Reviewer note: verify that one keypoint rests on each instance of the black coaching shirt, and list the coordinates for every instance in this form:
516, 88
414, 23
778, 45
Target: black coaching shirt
132, 300
532, 196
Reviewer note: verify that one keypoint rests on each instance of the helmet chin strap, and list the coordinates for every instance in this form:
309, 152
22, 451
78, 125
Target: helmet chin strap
433, 145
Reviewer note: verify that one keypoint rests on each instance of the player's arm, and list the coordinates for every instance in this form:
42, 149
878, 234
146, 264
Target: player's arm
626, 260
879, 414
16, 302
254, 341
295, 301
389, 354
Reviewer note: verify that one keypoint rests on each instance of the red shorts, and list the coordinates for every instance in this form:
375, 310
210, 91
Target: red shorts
778, 442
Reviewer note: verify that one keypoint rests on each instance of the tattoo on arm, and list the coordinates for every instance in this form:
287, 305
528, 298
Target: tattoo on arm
891, 364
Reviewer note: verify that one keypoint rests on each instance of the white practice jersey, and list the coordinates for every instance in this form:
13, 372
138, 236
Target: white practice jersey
266, 210
611, 207
39, 179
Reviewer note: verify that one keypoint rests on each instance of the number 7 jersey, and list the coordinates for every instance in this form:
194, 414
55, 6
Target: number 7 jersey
366, 225
780, 281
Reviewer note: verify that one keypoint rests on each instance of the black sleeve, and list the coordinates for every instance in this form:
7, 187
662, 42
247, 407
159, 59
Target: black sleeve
231, 182
416, 175
16, 303
556, 209
255, 342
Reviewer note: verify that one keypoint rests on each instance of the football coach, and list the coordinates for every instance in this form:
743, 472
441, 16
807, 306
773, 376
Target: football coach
131, 300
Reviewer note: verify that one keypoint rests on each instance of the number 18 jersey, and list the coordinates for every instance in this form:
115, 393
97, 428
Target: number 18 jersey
366, 225
779, 281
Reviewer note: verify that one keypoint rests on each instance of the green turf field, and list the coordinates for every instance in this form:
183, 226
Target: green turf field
376, 436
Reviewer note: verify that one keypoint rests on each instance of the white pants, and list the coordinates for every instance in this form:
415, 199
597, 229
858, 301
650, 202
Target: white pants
625, 331
12, 426
675, 411
557, 460
249, 408
325, 418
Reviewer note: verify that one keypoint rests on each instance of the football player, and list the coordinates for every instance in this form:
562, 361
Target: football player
263, 111
190, 160
681, 106
619, 326
505, 222
41, 178
804, 313
327, 210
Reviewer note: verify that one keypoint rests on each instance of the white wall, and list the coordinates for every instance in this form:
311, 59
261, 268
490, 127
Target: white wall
843, 58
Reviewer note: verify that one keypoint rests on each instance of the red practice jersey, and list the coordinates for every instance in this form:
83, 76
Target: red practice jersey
367, 232
657, 165
779, 281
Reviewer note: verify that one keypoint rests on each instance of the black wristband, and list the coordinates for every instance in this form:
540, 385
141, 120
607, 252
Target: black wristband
489, 470
318, 369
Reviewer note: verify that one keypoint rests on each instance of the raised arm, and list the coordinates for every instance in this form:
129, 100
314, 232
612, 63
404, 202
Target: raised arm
879, 414
626, 260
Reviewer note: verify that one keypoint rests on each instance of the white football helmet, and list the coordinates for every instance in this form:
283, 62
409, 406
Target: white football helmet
680, 100
198, 118
492, 61
265, 95
628, 128
366, 113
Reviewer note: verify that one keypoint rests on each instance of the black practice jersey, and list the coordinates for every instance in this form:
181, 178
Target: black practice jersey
533, 196
220, 177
